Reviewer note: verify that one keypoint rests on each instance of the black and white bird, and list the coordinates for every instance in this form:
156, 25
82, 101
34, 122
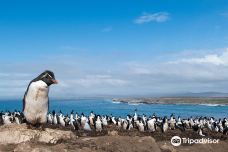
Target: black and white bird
151, 124
172, 122
36, 101
50, 118
98, 124
55, 119
165, 125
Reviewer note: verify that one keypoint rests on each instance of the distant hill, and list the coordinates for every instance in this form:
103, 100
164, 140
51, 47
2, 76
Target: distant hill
202, 94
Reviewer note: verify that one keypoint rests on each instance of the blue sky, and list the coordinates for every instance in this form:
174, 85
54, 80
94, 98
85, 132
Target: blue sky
116, 47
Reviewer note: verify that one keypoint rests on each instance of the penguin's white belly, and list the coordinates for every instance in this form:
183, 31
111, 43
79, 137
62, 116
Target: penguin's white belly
165, 127
98, 126
36, 103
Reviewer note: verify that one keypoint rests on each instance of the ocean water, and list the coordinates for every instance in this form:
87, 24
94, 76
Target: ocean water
106, 106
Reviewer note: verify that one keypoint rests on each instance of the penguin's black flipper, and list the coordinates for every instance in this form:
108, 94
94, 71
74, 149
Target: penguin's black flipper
195, 127
94, 125
26, 95
128, 125
23, 103
79, 120
76, 127
181, 127
1, 119
58, 121
225, 131
146, 126
110, 121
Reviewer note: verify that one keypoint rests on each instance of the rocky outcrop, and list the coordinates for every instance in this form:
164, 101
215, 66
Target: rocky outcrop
91, 144
14, 134
122, 144
18, 138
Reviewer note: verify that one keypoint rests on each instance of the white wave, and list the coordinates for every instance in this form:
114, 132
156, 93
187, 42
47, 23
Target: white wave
212, 105
134, 104
116, 102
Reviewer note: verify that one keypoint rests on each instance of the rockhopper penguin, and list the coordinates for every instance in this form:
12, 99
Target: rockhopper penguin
36, 102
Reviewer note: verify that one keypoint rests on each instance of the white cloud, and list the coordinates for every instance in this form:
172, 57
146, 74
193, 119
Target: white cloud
138, 68
85, 77
92, 81
155, 17
208, 73
98, 76
107, 29
14, 83
214, 59
14, 74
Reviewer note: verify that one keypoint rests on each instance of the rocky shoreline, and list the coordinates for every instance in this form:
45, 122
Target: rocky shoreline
18, 138
175, 100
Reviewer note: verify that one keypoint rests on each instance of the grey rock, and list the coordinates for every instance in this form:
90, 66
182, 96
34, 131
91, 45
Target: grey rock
14, 134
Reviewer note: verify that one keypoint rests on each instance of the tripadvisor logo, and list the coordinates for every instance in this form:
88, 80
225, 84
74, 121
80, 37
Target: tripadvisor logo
177, 141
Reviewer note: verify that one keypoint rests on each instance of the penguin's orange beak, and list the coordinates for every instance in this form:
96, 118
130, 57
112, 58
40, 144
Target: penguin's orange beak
54, 81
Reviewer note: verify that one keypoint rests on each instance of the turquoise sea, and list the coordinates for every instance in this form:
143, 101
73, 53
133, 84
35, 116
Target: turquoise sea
107, 107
